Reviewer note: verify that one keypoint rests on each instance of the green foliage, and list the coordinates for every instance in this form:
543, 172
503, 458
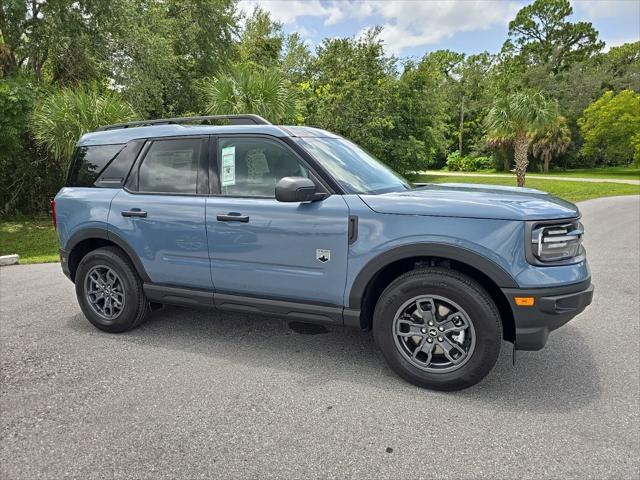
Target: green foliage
354, 91
247, 89
519, 117
521, 113
610, 127
64, 116
552, 141
262, 40
458, 163
543, 35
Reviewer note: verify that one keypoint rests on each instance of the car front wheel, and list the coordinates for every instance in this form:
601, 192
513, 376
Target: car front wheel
438, 329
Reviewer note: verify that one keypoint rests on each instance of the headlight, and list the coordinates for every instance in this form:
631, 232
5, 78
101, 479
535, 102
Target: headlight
554, 243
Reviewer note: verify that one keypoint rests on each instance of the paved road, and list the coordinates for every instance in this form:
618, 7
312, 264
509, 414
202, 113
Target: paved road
443, 173
193, 394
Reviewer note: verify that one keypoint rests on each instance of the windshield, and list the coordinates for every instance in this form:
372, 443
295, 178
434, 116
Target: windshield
353, 168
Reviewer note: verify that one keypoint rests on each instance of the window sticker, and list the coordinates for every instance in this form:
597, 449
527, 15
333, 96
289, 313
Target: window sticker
228, 166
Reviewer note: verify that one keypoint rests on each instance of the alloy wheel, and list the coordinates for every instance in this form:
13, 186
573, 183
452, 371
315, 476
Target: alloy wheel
434, 333
104, 291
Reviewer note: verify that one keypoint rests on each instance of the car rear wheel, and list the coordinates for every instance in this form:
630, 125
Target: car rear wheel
438, 329
109, 291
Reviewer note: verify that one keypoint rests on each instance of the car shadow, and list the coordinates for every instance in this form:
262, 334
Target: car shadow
561, 377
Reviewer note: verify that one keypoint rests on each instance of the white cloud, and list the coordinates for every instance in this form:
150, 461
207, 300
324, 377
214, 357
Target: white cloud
413, 24
616, 42
406, 23
288, 11
594, 9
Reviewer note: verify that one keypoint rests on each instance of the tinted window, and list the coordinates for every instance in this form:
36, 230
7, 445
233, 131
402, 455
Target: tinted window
352, 167
114, 174
251, 167
88, 162
170, 166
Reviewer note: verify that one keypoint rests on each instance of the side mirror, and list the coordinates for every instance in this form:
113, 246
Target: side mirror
297, 189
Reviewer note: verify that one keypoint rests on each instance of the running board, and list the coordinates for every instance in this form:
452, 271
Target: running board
305, 312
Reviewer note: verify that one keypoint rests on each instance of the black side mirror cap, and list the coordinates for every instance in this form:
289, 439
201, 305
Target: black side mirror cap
297, 189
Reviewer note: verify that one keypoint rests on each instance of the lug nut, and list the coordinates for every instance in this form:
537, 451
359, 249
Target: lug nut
440, 339
423, 330
441, 329
430, 324
429, 340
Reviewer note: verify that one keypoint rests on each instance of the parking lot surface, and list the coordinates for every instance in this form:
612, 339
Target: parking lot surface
199, 394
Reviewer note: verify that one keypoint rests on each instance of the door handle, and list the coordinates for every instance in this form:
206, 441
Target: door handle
232, 217
134, 212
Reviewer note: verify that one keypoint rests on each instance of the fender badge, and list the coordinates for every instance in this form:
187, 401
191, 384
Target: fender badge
323, 255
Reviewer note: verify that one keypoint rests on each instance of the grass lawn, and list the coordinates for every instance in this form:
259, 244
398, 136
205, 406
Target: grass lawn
572, 191
621, 173
34, 239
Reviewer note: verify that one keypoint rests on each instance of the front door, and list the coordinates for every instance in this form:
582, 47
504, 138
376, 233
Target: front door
260, 247
161, 214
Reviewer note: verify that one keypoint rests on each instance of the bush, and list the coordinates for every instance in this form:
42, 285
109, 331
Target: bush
454, 162
457, 163
28, 180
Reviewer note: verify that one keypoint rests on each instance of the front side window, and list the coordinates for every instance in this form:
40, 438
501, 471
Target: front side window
352, 167
251, 167
88, 162
171, 166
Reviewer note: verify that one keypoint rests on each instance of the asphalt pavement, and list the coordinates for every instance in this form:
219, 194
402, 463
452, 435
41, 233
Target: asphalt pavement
198, 394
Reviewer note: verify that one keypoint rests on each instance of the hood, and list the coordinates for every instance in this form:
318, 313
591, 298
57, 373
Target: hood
473, 201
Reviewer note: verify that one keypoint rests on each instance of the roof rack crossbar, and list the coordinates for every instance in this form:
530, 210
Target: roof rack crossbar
242, 119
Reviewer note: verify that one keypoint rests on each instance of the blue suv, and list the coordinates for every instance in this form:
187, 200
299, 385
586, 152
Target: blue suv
301, 223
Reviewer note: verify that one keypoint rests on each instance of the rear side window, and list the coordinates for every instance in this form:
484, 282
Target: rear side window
171, 166
88, 162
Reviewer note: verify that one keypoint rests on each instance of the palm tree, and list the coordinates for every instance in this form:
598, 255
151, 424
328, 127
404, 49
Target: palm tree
249, 89
64, 116
552, 142
520, 116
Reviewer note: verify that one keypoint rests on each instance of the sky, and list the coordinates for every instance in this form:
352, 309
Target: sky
412, 28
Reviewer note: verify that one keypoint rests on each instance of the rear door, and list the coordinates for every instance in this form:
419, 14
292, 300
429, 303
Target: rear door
260, 247
161, 211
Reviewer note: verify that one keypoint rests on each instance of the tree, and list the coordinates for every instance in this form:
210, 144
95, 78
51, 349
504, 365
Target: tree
351, 91
551, 142
60, 39
64, 116
248, 89
608, 127
521, 116
542, 35
262, 40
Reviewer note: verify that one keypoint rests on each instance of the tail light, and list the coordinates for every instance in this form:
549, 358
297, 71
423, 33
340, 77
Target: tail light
53, 213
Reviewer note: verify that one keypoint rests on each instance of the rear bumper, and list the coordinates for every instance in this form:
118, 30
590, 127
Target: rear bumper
64, 263
553, 307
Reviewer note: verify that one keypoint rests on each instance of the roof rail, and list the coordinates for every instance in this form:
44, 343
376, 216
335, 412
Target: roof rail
241, 119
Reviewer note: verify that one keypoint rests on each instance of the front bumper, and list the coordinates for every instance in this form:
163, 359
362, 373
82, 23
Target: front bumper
552, 308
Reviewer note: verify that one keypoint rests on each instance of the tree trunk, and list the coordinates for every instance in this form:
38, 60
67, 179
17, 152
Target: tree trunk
461, 125
547, 159
521, 147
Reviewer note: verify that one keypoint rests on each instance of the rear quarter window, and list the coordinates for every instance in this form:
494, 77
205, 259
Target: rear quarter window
88, 162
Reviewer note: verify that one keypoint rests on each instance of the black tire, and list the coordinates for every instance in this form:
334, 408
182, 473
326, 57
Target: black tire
466, 293
136, 306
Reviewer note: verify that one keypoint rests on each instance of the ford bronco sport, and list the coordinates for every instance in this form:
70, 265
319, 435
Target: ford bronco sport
300, 223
